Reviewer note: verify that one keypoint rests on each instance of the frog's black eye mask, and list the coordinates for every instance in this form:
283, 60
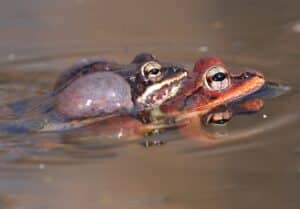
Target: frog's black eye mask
158, 83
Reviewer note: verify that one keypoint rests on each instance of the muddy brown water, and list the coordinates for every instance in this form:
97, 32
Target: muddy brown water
39, 39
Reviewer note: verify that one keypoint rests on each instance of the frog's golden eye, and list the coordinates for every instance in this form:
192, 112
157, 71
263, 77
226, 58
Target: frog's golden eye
151, 71
217, 78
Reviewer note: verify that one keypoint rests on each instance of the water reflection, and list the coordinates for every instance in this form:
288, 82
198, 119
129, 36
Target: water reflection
45, 37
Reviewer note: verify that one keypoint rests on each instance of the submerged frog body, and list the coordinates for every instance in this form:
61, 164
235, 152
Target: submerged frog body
99, 90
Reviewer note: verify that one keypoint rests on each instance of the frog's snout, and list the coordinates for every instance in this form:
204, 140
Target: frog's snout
250, 74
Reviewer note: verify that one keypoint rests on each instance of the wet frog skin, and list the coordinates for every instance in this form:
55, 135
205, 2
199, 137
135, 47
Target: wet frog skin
219, 86
218, 96
103, 87
201, 91
194, 126
198, 99
211, 84
95, 94
96, 90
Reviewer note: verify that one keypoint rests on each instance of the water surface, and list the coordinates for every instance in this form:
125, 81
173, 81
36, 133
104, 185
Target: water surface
39, 39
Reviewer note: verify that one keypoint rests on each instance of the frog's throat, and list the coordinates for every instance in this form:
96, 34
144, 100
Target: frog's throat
158, 93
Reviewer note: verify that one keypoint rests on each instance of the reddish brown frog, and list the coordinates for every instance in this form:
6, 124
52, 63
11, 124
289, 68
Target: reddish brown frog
211, 84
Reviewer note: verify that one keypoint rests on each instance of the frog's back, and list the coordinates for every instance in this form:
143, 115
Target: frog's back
44, 103
83, 67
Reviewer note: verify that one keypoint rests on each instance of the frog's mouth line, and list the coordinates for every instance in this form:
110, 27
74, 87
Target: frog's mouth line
158, 93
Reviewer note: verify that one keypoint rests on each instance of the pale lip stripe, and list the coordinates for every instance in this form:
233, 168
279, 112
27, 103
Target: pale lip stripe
143, 98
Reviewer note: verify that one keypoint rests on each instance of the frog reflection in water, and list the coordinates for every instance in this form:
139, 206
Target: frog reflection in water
146, 85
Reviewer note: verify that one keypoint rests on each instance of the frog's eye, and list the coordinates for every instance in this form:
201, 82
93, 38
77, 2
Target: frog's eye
151, 71
217, 78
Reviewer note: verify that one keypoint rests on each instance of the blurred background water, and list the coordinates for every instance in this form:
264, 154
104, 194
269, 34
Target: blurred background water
39, 39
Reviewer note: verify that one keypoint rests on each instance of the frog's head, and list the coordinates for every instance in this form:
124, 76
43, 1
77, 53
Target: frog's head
155, 82
216, 85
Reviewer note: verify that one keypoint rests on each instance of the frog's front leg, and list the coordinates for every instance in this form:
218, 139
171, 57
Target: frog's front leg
159, 122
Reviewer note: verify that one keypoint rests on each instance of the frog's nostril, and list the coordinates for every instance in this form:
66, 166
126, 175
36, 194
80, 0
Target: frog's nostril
248, 75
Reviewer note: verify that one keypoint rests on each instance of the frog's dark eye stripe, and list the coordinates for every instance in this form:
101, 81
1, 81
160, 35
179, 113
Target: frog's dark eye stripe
216, 78
151, 71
